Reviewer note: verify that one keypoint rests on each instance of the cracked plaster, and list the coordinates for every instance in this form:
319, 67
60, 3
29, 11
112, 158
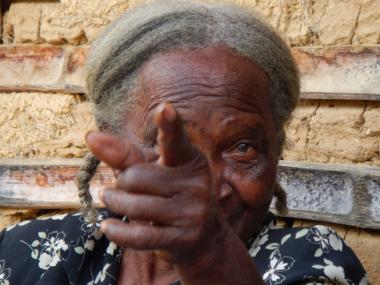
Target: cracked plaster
301, 22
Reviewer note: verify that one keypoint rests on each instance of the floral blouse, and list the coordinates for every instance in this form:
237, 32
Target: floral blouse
63, 249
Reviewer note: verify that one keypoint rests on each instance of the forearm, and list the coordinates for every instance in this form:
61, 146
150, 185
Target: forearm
227, 262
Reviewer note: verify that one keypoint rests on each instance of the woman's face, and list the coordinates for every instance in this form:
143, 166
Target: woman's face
223, 99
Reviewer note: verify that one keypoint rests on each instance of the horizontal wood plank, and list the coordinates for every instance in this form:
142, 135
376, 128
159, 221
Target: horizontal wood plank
338, 72
42, 68
343, 194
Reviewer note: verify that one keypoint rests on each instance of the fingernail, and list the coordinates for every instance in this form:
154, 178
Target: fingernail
168, 112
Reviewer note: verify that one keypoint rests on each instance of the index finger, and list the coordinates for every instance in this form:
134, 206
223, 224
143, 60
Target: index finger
175, 147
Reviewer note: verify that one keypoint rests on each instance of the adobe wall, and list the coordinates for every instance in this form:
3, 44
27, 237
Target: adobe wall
46, 125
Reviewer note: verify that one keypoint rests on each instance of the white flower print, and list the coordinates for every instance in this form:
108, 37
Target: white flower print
93, 229
335, 241
10, 227
111, 248
23, 223
59, 217
261, 239
335, 274
102, 274
364, 280
48, 249
5, 273
277, 264
326, 238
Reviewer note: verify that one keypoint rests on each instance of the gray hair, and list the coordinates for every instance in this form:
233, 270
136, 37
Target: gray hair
116, 56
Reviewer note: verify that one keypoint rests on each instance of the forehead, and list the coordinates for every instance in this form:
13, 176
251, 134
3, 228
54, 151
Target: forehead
213, 72
214, 78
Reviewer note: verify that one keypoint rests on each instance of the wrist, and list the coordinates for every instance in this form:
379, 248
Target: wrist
219, 251
225, 261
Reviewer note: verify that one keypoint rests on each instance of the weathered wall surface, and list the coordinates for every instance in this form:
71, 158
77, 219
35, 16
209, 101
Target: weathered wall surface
334, 132
43, 125
52, 125
306, 22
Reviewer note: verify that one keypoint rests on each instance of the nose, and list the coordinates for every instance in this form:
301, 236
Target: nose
224, 191
223, 188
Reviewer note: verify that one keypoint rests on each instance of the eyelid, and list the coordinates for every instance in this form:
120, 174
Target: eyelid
251, 142
250, 145
238, 158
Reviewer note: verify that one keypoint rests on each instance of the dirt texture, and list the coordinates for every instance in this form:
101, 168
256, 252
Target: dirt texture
334, 132
53, 125
301, 22
43, 125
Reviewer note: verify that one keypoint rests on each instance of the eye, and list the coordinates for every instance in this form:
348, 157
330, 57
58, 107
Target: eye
243, 152
243, 147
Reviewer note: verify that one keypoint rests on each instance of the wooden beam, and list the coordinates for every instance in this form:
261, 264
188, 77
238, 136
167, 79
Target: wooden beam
42, 68
1, 22
337, 72
45, 184
343, 194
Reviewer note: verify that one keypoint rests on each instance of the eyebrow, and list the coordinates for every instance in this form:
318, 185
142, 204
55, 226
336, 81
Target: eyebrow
231, 128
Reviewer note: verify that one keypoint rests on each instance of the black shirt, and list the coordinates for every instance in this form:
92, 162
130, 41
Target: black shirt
64, 249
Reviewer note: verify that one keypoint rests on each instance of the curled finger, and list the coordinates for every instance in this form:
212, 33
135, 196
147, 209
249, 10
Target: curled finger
160, 210
139, 236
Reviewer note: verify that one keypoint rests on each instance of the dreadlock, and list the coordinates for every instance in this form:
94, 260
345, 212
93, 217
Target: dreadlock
86, 172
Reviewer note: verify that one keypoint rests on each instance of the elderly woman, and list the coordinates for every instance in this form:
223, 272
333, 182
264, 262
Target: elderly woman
190, 100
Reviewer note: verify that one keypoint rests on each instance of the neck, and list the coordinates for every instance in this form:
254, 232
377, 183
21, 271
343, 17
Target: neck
145, 267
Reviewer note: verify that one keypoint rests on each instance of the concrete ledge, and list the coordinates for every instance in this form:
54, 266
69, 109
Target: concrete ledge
342, 194
336, 193
348, 73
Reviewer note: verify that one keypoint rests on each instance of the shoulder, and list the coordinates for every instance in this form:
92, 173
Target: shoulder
66, 227
314, 254
55, 248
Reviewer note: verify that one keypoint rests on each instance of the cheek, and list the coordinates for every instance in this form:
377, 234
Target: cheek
255, 186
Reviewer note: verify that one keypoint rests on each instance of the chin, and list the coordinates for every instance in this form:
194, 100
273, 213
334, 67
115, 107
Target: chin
248, 224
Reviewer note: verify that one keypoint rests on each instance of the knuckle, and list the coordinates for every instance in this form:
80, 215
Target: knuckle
145, 238
135, 210
131, 177
110, 199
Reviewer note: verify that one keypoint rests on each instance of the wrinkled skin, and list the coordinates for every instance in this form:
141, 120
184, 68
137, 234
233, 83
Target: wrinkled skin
196, 167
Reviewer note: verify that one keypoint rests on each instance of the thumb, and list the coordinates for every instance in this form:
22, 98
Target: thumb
117, 153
